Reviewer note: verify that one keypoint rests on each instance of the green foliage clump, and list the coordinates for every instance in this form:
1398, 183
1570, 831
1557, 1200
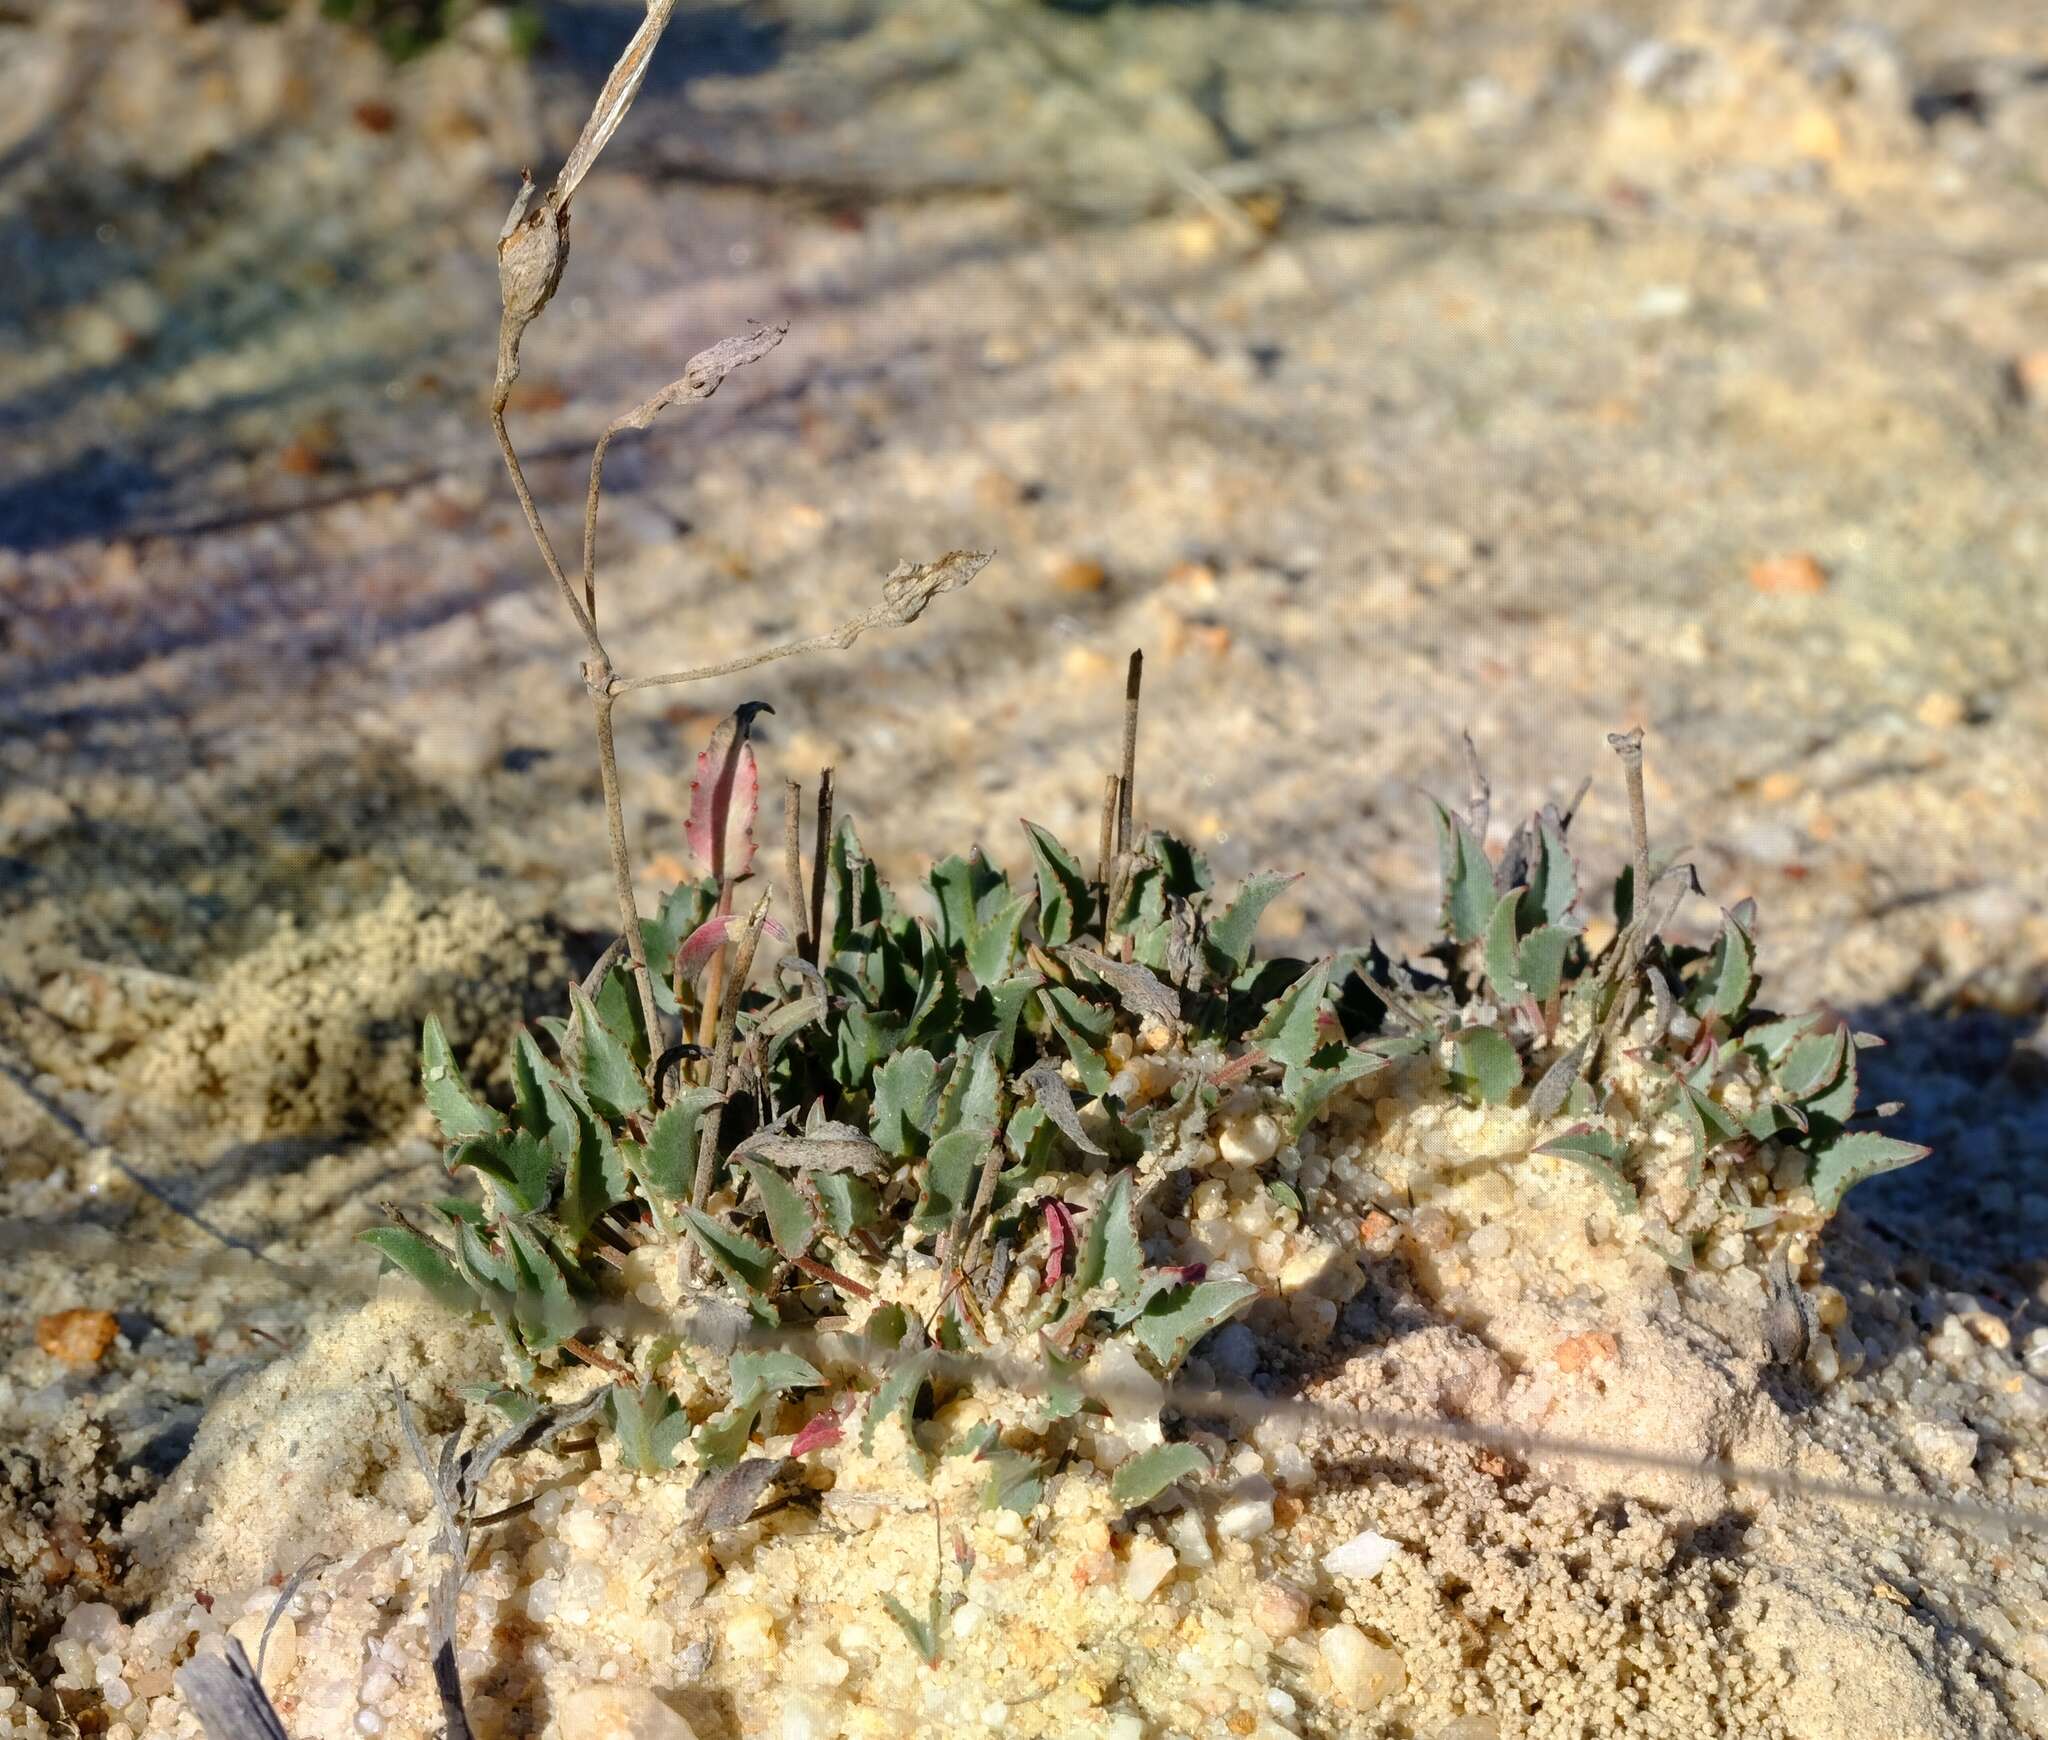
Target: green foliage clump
933, 1128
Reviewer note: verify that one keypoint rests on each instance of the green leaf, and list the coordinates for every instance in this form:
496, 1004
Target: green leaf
1852, 1157
755, 1375
857, 896
746, 1263
594, 1177
618, 1007
1539, 962
1065, 901
1812, 1064
516, 1166
1833, 1107
1311, 1089
1284, 1193
460, 1113
1710, 1124
1000, 1008
791, 1224
950, 1175
609, 1076
1179, 1317
1488, 1067
1065, 1010
1600, 1154
545, 1309
895, 1398
1502, 971
1016, 1482
979, 916
1291, 1032
1110, 1249
1142, 1478
923, 1633
668, 1162
1553, 880
864, 1039
847, 1202
1063, 1397
529, 1069
972, 1098
1229, 942
1467, 877
426, 1262
649, 1424
1725, 985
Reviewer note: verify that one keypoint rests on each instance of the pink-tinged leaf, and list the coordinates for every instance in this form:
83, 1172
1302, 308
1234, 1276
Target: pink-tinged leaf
820, 1432
1329, 1030
712, 935
725, 796
1059, 1228
1237, 1068
1184, 1274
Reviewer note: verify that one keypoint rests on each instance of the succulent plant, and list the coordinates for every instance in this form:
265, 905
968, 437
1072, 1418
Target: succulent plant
950, 1130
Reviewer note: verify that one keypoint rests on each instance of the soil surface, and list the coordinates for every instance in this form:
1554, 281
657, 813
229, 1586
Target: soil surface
1385, 372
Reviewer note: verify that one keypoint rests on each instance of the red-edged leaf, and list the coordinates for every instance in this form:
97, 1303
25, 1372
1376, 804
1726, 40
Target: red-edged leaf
820, 1432
712, 935
1059, 1228
725, 795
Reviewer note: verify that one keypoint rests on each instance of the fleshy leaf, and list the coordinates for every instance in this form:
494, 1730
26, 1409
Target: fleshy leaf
755, 1375
1600, 1154
1725, 986
1553, 879
609, 1075
666, 1164
1111, 1251
1812, 1064
1488, 1066
902, 1097
791, 1224
1016, 1482
1063, 1398
1852, 1157
746, 1263
1065, 901
1061, 1239
724, 797
1178, 1318
1502, 970
1309, 1090
950, 1175
1539, 962
820, 1432
426, 1262
1230, 938
1291, 1033
460, 1113
1467, 877
1143, 1477
650, 1426
895, 1398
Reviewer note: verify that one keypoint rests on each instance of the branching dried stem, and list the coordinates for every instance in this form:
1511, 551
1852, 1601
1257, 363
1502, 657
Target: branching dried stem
533, 250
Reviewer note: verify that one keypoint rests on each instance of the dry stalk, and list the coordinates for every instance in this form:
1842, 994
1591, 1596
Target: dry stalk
533, 250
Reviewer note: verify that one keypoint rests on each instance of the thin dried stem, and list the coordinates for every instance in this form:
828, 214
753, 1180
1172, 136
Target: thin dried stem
1481, 800
821, 864
908, 588
793, 865
1629, 746
1105, 851
721, 1058
1134, 678
622, 865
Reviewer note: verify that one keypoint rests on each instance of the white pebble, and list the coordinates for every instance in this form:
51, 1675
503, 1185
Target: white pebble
1150, 1564
1250, 1141
1948, 1450
1249, 1513
606, 1712
1363, 1555
1362, 1672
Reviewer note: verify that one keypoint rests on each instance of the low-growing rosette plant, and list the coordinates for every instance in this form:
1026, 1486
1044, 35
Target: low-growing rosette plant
897, 1139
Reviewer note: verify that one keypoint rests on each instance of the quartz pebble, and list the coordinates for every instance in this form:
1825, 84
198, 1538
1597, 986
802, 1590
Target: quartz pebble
1249, 1513
601, 1712
1279, 1609
1362, 1672
1363, 1555
1949, 1450
1150, 1564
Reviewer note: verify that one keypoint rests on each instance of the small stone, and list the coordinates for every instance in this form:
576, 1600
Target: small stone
2028, 373
1469, 1728
1948, 1450
602, 1712
1988, 1328
1148, 1567
1280, 1610
77, 1338
1362, 1673
1796, 575
1250, 1141
750, 1630
1941, 711
1577, 1352
1080, 575
1363, 1555
1249, 1512
280, 1656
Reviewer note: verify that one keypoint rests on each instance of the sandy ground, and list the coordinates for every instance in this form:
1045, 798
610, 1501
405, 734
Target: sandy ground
1684, 365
